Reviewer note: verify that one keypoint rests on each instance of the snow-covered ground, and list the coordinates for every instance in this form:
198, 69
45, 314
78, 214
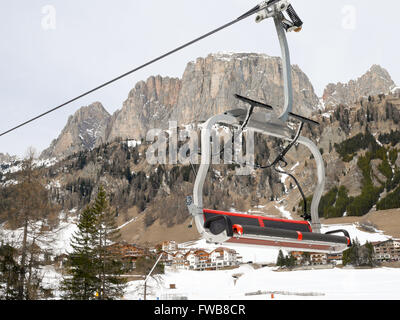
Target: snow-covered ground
356, 233
57, 240
331, 284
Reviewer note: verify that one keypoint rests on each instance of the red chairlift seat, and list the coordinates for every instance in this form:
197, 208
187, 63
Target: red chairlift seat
271, 232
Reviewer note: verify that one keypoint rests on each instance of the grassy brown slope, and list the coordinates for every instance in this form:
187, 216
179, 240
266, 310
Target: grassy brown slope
157, 233
387, 221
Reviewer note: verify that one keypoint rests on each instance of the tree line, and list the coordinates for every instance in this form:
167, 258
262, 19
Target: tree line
336, 201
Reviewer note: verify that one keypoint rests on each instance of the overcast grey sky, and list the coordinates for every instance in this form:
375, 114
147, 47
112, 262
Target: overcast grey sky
53, 50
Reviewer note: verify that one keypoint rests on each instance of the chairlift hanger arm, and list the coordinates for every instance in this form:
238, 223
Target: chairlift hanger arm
277, 9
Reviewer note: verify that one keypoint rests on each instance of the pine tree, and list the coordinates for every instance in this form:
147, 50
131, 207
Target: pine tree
110, 266
352, 255
281, 259
369, 254
94, 268
81, 281
290, 261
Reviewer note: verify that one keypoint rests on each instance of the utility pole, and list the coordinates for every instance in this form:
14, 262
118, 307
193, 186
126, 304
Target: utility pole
148, 276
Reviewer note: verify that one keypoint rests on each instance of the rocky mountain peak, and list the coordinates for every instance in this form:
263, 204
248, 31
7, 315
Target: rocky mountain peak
148, 106
375, 81
83, 131
207, 87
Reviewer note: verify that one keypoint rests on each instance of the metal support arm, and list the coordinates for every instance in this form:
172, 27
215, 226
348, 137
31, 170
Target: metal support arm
287, 69
267, 128
274, 9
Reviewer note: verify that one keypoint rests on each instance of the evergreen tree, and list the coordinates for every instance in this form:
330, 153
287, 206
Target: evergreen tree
281, 259
346, 257
369, 254
94, 268
81, 281
110, 266
290, 261
357, 255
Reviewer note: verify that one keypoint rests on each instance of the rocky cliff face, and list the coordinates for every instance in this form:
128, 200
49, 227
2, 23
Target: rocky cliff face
375, 81
149, 105
207, 87
85, 129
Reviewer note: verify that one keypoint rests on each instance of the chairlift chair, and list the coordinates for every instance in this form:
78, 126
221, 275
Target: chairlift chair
230, 228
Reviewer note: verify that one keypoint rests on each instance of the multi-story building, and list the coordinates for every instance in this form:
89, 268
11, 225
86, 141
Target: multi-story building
302, 258
388, 250
201, 260
127, 250
169, 246
167, 257
223, 257
129, 253
198, 260
179, 260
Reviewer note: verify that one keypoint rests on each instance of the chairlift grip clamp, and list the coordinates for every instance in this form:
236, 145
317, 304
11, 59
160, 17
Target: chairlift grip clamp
271, 9
277, 8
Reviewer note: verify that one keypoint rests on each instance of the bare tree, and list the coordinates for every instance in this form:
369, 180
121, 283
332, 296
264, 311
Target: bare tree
30, 210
